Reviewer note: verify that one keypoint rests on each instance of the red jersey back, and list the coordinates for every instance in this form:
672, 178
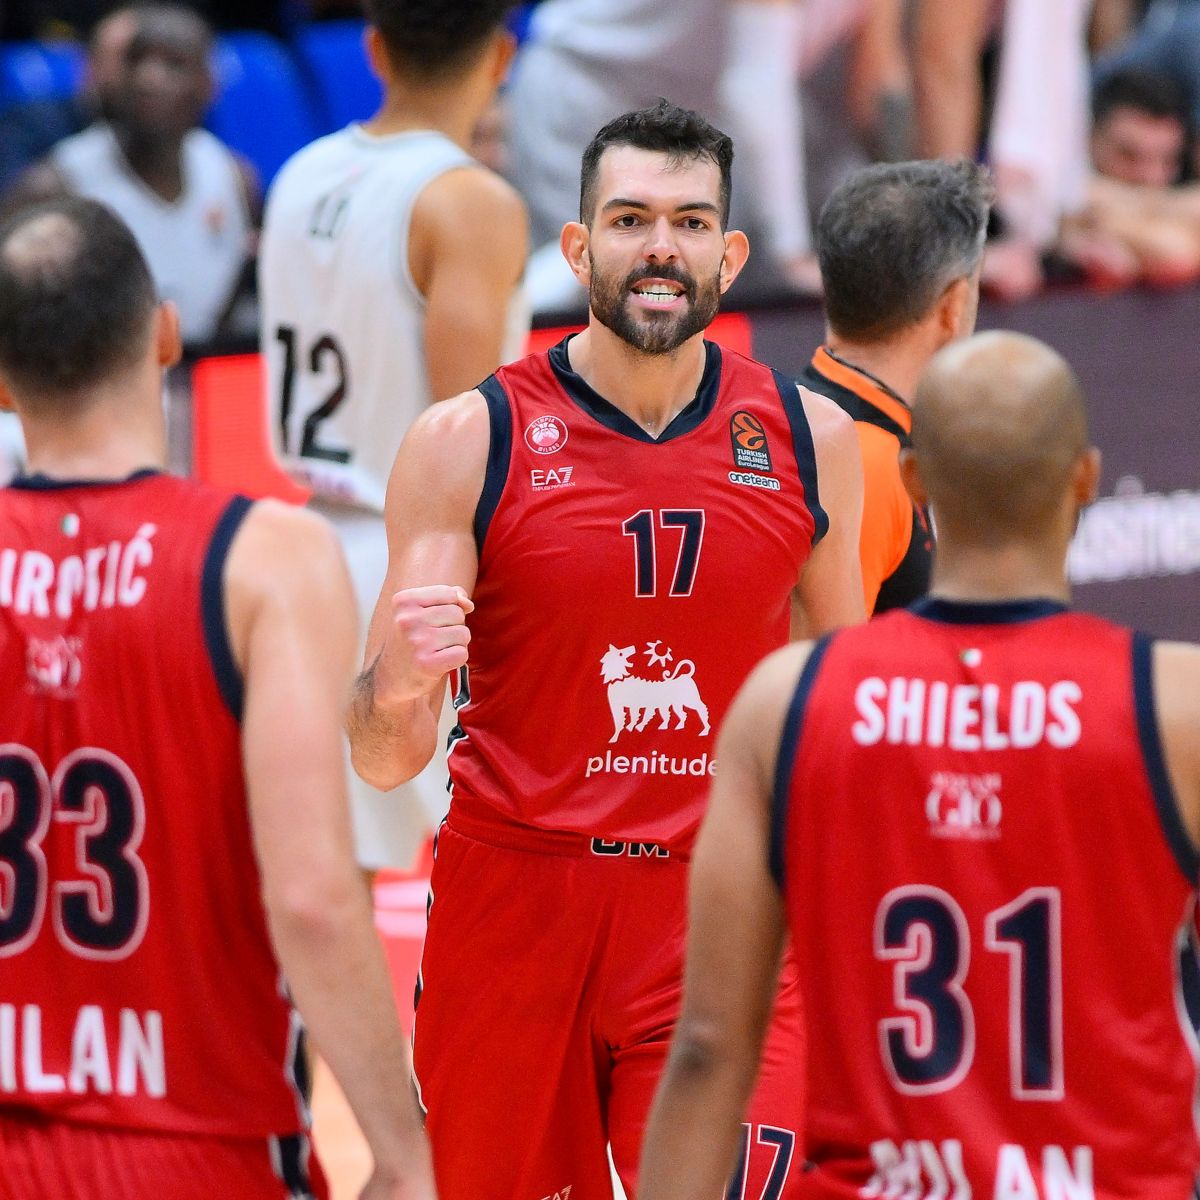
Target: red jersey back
626, 586
138, 987
989, 887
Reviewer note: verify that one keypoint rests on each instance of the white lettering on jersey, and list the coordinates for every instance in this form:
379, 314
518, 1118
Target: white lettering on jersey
928, 1170
141, 1058
964, 716
32, 583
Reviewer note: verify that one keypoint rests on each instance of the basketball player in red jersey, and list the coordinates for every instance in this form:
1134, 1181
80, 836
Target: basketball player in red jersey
176, 875
619, 527
980, 820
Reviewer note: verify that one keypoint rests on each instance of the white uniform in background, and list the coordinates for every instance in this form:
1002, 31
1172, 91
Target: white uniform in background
196, 246
343, 329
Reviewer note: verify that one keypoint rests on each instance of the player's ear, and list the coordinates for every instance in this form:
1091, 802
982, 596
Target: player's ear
167, 339
737, 250
952, 309
6, 399
1085, 480
503, 54
911, 477
377, 55
575, 244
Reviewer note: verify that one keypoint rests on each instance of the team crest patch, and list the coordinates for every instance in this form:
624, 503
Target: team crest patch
749, 438
546, 435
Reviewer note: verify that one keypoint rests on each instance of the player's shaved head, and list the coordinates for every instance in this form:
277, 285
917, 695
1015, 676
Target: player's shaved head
76, 300
998, 429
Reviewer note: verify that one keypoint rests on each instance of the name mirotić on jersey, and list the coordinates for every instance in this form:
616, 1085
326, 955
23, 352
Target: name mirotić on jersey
140, 1059
31, 582
966, 716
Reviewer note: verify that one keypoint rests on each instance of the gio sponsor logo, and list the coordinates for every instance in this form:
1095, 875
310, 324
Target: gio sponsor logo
964, 806
546, 435
54, 665
553, 477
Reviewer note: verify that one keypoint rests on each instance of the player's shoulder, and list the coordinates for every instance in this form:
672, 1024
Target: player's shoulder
280, 545
826, 418
470, 206
458, 427
309, 164
470, 188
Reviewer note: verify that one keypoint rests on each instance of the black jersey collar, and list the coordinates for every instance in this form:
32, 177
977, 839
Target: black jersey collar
608, 414
986, 612
46, 483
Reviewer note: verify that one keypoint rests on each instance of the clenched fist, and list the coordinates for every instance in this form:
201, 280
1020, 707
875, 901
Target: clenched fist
426, 638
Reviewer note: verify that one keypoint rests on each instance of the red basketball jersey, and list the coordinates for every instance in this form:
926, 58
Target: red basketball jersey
138, 987
626, 587
989, 887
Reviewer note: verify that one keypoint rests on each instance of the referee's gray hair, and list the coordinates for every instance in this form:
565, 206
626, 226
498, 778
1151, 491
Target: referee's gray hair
894, 236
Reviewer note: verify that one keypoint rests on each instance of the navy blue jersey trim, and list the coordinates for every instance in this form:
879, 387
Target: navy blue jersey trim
609, 415
805, 452
212, 606
45, 483
986, 612
1186, 853
786, 762
499, 457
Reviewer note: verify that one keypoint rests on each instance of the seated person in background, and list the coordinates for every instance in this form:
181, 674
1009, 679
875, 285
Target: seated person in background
30, 130
188, 199
1138, 223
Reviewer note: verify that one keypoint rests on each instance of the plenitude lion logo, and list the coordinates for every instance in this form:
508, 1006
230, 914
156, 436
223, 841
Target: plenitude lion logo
749, 438
546, 435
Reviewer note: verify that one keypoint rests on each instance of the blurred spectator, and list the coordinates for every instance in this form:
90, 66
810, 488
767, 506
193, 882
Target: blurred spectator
55, 19
1141, 128
839, 98
1167, 39
28, 131
187, 198
1036, 143
1136, 224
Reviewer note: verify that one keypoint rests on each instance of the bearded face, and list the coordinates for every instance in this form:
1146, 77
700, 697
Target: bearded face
655, 309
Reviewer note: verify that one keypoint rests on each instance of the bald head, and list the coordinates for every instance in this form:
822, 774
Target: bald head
76, 301
998, 429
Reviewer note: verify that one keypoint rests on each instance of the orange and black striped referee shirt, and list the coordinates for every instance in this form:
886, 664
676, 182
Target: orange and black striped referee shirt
896, 546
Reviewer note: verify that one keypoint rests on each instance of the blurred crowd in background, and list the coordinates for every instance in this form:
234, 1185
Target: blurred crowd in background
1086, 111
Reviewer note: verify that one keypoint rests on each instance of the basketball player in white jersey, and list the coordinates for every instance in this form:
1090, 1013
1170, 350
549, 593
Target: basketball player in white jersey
389, 276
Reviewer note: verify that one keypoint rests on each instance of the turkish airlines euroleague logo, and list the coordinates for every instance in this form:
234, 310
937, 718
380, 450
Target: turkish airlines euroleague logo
749, 438
546, 435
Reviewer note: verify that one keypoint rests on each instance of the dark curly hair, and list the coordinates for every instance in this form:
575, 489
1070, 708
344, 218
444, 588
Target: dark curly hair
433, 38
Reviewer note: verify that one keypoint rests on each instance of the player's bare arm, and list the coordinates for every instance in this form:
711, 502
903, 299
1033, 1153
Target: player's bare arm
735, 942
1177, 700
830, 592
467, 248
418, 633
290, 612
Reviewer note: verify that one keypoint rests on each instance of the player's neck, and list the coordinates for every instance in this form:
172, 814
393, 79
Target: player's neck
995, 573
111, 438
650, 389
897, 362
453, 111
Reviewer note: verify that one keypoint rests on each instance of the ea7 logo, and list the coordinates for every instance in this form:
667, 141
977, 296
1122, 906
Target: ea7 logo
543, 480
565, 1194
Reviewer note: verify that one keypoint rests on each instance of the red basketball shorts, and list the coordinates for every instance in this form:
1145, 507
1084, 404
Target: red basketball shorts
549, 986
42, 1159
